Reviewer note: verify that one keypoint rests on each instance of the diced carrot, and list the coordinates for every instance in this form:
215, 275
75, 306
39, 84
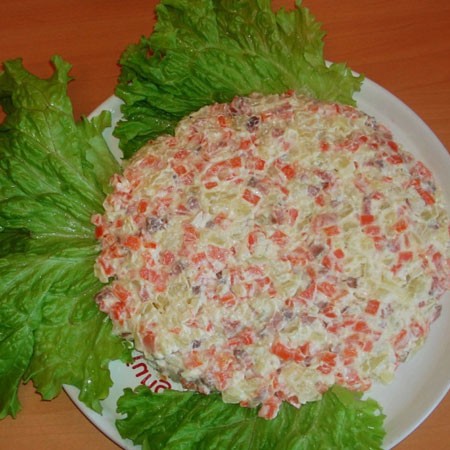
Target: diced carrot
417, 329
217, 253
366, 219
311, 272
309, 292
326, 262
395, 159
279, 238
372, 306
361, 326
421, 170
245, 337
222, 121
327, 288
259, 164
328, 361
166, 257
293, 214
393, 146
251, 197
368, 346
400, 339
188, 178
332, 230
401, 225
193, 360
198, 257
269, 408
219, 219
329, 312
252, 238
405, 257
350, 352
228, 299
245, 144
190, 234
282, 351
142, 206
339, 253
107, 269
379, 242
236, 162
210, 184
150, 161
148, 274
179, 169
372, 230
297, 257
319, 200
427, 197
132, 242
289, 171
181, 154
437, 259
99, 231
120, 292
150, 244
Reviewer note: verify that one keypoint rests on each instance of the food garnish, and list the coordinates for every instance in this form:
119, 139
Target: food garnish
54, 173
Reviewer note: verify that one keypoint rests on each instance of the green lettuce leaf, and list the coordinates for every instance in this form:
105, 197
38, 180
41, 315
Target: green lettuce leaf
206, 51
54, 174
188, 420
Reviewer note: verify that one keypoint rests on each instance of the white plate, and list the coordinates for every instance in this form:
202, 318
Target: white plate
422, 382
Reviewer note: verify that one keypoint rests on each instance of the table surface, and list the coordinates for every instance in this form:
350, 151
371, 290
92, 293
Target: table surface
403, 45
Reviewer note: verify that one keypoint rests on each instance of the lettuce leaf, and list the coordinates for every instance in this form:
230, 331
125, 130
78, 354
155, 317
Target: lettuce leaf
189, 420
206, 51
54, 174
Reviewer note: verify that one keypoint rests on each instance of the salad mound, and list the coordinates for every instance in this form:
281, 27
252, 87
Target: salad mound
273, 247
48, 247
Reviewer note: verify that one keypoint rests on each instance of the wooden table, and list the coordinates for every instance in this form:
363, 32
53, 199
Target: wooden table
404, 45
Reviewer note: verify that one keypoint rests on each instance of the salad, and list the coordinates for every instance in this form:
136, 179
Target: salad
31, 323
273, 247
